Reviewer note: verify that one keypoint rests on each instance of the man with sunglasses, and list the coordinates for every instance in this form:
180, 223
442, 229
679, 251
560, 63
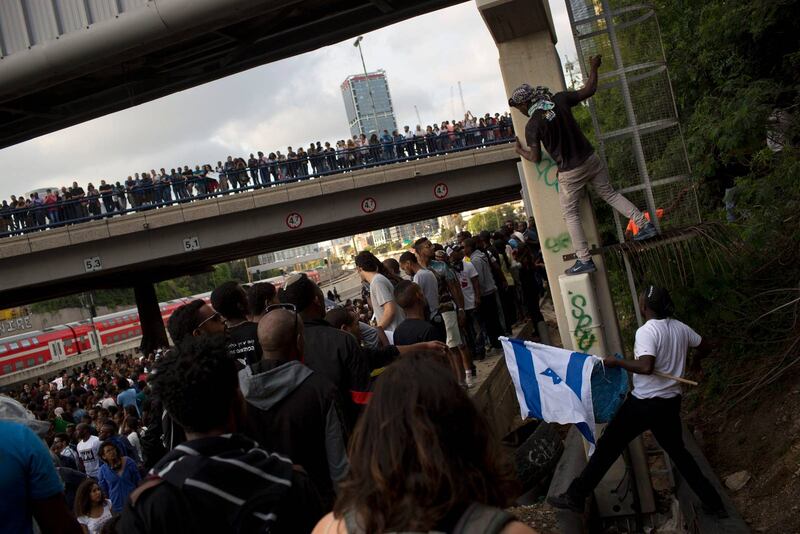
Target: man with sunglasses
293, 410
195, 319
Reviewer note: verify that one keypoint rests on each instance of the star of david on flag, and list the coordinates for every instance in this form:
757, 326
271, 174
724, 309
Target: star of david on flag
552, 384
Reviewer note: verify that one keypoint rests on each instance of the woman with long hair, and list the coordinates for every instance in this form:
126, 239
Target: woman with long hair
422, 459
92, 509
530, 276
374, 148
507, 266
94, 200
352, 153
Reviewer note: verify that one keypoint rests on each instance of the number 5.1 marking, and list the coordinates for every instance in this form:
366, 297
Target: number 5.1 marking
92, 264
192, 243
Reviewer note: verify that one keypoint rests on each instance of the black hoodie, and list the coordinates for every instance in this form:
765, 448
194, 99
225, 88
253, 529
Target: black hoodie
295, 411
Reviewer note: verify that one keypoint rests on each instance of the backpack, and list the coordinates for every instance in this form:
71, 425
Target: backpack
446, 300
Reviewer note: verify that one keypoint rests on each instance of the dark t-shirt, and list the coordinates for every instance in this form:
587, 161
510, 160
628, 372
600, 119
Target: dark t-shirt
244, 342
413, 331
560, 134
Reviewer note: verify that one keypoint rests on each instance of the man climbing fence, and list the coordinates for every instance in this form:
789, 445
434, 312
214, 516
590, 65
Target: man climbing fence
552, 124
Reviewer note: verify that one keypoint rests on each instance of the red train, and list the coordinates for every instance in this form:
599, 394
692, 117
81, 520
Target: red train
32, 349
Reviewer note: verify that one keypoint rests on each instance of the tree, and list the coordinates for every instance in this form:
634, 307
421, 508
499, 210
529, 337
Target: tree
492, 219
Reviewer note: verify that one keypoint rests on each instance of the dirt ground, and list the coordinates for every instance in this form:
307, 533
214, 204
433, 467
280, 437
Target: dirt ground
539, 516
761, 435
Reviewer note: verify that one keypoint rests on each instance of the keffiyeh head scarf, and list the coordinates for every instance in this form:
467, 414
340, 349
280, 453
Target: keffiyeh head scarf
538, 97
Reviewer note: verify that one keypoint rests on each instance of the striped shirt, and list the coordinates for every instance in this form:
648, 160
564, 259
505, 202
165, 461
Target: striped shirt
229, 474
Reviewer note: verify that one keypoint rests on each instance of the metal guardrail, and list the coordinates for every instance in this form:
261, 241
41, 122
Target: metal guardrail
182, 188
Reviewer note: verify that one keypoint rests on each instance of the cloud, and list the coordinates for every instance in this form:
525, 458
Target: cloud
287, 103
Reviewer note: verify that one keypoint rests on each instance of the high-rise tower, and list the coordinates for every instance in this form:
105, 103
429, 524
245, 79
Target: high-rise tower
361, 116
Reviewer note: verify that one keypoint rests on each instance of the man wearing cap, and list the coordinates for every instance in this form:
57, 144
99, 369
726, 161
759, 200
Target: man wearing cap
551, 123
654, 404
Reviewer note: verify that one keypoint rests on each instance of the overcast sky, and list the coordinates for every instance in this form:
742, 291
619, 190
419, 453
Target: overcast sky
287, 103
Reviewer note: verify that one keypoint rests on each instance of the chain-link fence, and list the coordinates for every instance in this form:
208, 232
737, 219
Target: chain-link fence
634, 114
634, 110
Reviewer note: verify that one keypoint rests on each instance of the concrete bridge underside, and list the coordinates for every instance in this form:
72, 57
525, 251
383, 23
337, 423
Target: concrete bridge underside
63, 62
150, 246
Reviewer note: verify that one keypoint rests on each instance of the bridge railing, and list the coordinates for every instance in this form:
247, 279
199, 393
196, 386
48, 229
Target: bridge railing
181, 188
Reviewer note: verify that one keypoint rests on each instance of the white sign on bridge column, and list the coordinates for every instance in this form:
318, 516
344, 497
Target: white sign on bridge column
92, 264
191, 243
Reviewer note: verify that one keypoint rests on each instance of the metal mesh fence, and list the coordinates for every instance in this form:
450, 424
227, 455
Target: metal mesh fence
633, 109
634, 114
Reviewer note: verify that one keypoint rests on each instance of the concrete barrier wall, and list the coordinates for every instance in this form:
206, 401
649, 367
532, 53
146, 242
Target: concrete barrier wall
497, 401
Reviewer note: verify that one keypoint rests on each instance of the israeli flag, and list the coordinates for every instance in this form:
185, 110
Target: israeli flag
552, 384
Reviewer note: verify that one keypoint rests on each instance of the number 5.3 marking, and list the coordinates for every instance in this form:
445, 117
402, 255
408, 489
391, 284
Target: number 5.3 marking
92, 264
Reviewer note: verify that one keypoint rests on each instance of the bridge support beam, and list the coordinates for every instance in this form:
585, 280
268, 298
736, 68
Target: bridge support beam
525, 37
154, 335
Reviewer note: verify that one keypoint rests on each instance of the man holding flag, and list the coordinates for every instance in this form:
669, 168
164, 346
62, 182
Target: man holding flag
653, 404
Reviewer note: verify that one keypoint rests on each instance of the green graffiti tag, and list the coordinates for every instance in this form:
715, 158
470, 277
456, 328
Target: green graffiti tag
583, 334
558, 243
545, 165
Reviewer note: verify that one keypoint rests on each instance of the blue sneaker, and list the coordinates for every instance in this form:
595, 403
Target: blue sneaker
648, 231
582, 267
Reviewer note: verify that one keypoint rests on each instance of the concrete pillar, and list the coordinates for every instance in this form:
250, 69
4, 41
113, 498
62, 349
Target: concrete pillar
525, 38
154, 335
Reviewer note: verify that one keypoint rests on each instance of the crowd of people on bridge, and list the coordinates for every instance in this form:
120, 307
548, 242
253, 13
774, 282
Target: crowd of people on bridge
149, 189
271, 406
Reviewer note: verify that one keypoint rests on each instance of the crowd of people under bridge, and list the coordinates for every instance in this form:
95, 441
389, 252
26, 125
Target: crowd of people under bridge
149, 189
244, 422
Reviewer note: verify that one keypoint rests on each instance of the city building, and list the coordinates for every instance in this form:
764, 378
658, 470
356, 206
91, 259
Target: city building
290, 257
408, 233
359, 106
381, 237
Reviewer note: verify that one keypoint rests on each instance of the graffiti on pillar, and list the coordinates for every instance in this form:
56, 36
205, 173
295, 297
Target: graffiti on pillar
584, 338
558, 243
544, 168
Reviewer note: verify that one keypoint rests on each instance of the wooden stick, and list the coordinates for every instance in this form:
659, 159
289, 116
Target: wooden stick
676, 378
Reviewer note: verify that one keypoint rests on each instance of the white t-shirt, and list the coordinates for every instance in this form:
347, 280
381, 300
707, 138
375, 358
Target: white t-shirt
465, 279
668, 340
108, 402
381, 291
95, 524
429, 284
135, 441
89, 451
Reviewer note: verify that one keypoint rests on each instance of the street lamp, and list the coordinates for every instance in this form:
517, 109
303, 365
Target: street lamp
357, 44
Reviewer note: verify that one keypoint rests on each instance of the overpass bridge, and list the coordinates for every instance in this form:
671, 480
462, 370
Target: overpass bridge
145, 247
63, 62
